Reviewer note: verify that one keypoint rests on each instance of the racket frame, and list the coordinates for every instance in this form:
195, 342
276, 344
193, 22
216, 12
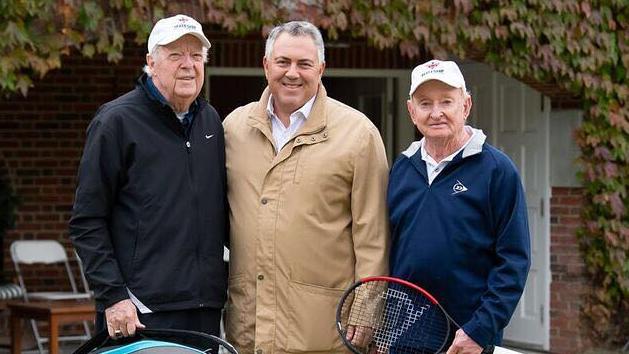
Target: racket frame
350, 290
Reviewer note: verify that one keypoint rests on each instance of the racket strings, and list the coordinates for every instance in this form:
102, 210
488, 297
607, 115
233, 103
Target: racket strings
399, 319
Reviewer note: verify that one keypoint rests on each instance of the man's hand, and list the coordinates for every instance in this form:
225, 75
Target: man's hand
359, 336
122, 319
462, 344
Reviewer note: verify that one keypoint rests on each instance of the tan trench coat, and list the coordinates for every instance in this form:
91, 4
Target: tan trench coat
305, 224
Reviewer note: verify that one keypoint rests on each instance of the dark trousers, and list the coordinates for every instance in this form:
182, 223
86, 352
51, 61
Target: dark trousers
206, 320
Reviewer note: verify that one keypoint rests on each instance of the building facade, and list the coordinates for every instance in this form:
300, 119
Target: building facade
42, 136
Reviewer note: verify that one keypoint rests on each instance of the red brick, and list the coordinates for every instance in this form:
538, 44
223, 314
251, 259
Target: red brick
568, 271
571, 200
570, 220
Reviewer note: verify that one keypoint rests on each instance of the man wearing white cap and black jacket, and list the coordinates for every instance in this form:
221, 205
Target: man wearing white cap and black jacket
457, 212
150, 213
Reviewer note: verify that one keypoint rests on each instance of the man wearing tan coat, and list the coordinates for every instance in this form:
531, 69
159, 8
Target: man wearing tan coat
306, 181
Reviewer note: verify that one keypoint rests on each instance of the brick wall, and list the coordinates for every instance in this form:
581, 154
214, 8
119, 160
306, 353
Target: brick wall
569, 283
41, 139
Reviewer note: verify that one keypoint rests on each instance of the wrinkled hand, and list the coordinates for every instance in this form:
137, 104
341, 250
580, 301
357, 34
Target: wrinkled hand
122, 317
462, 344
359, 336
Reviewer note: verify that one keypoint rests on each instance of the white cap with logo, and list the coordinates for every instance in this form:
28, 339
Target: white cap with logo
170, 29
445, 71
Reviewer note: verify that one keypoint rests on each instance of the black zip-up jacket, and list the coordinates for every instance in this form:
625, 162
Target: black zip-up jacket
150, 211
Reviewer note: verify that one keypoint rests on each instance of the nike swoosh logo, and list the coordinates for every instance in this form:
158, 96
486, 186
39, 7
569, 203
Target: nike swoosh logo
209, 136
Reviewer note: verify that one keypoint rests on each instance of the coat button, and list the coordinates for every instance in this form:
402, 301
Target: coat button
313, 138
260, 277
264, 201
325, 135
298, 140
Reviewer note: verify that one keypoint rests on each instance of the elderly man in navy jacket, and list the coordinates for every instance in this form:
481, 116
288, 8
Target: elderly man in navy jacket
458, 212
150, 214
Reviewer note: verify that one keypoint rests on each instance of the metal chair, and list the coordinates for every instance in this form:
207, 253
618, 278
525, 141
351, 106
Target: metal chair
49, 252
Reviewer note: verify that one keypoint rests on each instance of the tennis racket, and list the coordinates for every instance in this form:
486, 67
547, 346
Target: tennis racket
378, 315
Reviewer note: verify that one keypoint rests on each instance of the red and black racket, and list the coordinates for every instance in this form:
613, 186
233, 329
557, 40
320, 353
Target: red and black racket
380, 315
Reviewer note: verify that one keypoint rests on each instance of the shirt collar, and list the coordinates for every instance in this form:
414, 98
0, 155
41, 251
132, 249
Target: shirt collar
473, 146
303, 111
157, 96
426, 157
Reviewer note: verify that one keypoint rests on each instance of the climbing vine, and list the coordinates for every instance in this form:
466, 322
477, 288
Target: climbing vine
581, 46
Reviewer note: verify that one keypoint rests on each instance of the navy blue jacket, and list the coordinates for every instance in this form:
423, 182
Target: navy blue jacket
150, 212
464, 238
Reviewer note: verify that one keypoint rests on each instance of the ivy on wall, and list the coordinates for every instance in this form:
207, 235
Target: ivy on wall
581, 46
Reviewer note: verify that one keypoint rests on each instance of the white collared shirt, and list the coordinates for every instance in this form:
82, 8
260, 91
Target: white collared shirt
141, 307
281, 133
433, 168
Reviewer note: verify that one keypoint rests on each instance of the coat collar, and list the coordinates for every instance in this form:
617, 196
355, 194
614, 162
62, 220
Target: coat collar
315, 123
474, 147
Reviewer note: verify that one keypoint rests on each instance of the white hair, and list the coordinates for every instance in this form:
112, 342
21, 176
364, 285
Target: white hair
295, 29
156, 54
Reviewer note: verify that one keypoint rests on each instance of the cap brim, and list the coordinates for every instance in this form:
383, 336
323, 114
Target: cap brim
175, 36
452, 83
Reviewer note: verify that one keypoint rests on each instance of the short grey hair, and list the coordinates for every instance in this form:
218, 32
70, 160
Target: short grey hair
155, 53
295, 29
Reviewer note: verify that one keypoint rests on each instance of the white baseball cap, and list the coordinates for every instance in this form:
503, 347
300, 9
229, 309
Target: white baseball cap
170, 29
445, 71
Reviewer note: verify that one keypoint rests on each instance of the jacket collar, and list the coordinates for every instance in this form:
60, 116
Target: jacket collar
314, 123
158, 102
474, 147
147, 84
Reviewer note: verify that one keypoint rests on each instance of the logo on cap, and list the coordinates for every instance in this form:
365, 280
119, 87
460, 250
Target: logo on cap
447, 72
183, 23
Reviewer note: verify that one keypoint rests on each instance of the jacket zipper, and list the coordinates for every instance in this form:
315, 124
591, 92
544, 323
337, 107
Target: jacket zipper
195, 204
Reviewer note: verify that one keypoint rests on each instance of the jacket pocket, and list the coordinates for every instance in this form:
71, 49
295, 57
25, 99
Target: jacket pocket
299, 164
132, 276
311, 318
236, 313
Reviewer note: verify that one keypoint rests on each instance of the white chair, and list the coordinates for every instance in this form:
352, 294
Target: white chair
49, 252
